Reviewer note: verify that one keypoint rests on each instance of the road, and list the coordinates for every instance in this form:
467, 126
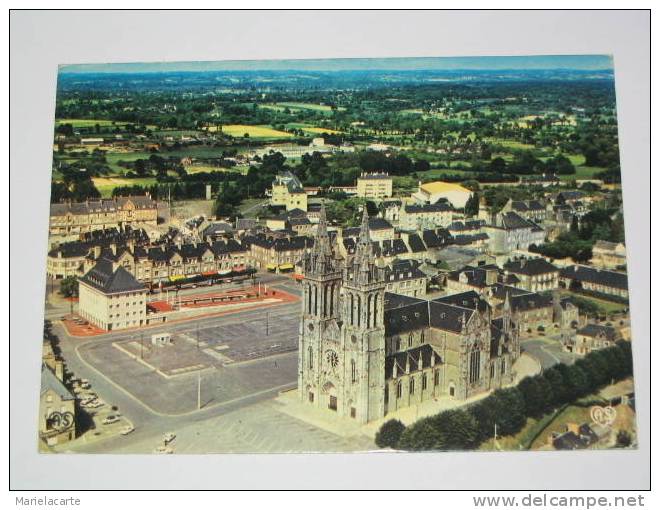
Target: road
547, 350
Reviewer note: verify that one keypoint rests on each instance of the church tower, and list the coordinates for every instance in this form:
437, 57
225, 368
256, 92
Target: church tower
363, 331
319, 328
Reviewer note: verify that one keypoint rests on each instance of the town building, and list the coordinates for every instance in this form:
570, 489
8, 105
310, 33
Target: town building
531, 210
478, 279
534, 275
57, 409
431, 192
277, 252
510, 232
590, 338
404, 277
374, 185
602, 281
425, 216
79, 217
288, 191
111, 298
608, 255
379, 230
364, 353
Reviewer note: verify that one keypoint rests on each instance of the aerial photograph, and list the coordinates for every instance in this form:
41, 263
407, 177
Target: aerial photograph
342, 255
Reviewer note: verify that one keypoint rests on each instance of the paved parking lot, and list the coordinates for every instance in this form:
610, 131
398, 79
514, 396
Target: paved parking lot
236, 359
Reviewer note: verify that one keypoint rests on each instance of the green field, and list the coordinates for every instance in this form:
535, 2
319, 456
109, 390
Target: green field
308, 128
105, 185
261, 132
90, 123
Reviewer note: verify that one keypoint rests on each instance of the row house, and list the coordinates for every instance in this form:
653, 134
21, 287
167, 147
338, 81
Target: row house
535, 275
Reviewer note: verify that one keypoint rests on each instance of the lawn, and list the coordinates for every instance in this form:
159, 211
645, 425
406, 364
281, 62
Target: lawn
197, 169
309, 106
583, 172
105, 185
606, 307
311, 129
87, 123
264, 132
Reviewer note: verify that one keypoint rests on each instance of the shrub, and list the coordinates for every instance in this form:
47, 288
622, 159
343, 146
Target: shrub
389, 434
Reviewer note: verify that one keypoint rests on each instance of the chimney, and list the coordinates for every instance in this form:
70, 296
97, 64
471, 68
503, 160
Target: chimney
113, 247
394, 371
97, 252
407, 363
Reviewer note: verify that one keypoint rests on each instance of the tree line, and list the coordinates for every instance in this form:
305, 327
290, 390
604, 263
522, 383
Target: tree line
467, 428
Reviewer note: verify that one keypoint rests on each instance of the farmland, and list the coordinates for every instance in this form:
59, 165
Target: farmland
259, 132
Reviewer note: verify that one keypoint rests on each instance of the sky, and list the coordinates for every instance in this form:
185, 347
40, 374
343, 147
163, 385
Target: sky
578, 62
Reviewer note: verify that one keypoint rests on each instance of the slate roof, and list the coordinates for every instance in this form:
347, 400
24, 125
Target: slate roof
49, 381
469, 299
416, 244
101, 205
403, 270
102, 277
410, 358
427, 208
530, 301
530, 267
595, 330
598, 276
218, 228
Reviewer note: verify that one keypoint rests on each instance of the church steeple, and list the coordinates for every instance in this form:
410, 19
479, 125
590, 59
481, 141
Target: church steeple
321, 259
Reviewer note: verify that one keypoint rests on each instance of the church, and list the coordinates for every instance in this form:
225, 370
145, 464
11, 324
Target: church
364, 352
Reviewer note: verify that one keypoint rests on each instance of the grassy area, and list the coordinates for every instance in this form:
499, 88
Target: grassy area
105, 185
198, 169
523, 439
571, 414
90, 123
511, 144
606, 307
308, 106
249, 209
263, 132
311, 129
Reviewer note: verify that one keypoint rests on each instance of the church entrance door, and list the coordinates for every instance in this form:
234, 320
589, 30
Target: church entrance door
333, 403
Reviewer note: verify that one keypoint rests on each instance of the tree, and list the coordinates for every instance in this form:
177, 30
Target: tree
455, 429
472, 205
623, 439
389, 434
69, 287
537, 394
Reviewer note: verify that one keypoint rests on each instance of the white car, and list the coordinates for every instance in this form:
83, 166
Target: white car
110, 420
169, 437
163, 449
127, 430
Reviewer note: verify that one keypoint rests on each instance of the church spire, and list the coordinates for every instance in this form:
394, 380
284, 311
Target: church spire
364, 227
322, 242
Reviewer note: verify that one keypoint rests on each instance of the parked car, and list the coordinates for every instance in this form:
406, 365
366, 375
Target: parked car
163, 449
127, 430
110, 420
168, 438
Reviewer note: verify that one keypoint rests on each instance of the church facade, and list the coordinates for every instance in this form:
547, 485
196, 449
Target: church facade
364, 352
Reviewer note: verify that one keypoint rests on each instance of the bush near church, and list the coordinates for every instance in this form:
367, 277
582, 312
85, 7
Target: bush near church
466, 429
389, 434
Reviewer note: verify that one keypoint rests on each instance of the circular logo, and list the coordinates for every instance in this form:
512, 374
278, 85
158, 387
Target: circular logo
604, 416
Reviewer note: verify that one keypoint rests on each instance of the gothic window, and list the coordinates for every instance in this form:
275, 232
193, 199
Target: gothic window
475, 357
398, 344
421, 337
359, 310
310, 357
398, 389
492, 371
503, 371
436, 378
412, 386
375, 311
352, 310
423, 382
332, 358
387, 394
353, 371
410, 340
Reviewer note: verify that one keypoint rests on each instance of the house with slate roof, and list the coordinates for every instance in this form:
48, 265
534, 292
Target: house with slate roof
590, 338
510, 232
535, 275
288, 191
532, 210
365, 352
57, 409
111, 298
79, 217
612, 283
